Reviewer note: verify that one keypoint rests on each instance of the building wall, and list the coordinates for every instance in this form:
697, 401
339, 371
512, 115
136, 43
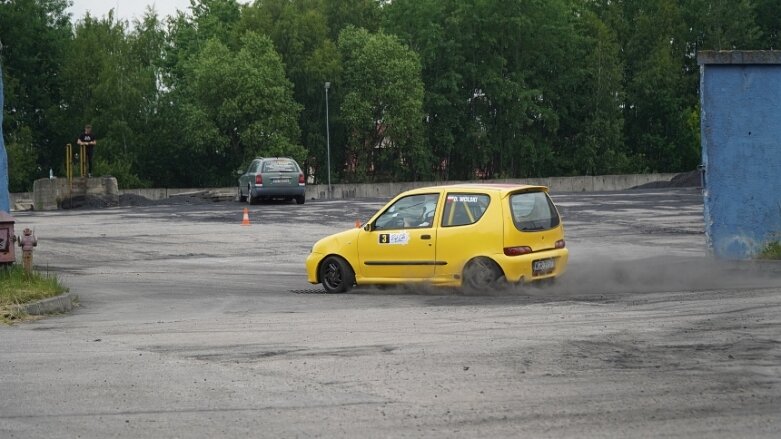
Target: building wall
741, 153
4, 197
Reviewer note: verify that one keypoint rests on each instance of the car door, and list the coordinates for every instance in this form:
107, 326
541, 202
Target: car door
401, 242
248, 177
465, 231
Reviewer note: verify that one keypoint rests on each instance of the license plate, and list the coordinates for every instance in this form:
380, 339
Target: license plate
280, 180
543, 266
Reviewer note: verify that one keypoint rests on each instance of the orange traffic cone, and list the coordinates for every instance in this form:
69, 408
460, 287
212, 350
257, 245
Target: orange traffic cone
357, 224
245, 220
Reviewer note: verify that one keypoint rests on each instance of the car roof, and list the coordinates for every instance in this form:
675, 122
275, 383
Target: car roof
501, 188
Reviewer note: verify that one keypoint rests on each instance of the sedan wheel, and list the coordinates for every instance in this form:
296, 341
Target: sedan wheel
336, 275
482, 274
250, 198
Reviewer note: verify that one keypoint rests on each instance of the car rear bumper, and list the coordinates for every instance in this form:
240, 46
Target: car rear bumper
274, 192
519, 268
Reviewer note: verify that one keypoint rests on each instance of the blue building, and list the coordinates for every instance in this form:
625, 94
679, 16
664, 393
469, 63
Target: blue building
5, 205
740, 97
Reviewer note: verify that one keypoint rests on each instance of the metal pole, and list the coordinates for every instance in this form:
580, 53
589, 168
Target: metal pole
328, 137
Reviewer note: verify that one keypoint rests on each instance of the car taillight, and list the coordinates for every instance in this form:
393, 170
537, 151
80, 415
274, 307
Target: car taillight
258, 180
517, 251
560, 243
301, 180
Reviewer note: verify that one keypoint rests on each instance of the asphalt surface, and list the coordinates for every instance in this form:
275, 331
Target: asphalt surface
191, 325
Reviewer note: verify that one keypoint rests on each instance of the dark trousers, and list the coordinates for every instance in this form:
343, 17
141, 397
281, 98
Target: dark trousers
90, 153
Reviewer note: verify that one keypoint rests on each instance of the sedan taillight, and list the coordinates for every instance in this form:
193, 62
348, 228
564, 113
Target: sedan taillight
301, 180
517, 251
258, 180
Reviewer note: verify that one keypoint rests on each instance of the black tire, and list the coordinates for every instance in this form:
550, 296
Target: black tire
240, 197
250, 198
336, 275
300, 199
481, 275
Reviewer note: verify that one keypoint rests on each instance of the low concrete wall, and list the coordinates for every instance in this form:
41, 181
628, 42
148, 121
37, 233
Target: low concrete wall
48, 194
556, 184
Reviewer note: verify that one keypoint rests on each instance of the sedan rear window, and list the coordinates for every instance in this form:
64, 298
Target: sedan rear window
533, 211
280, 166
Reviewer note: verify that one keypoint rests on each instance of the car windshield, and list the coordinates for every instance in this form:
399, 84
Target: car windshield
280, 166
533, 211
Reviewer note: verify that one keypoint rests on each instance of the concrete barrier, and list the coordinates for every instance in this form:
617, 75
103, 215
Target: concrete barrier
599, 183
48, 194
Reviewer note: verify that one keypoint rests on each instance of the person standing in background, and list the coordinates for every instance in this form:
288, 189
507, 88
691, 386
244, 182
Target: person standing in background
88, 139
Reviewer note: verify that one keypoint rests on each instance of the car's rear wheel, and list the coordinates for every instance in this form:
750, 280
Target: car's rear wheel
482, 274
240, 196
250, 198
336, 275
300, 199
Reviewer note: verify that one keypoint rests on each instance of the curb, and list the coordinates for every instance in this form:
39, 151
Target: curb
53, 305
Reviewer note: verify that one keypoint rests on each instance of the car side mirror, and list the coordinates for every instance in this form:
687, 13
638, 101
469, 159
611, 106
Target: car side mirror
239, 172
368, 227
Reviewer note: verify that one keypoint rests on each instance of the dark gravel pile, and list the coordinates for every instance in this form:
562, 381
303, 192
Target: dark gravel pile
127, 200
684, 179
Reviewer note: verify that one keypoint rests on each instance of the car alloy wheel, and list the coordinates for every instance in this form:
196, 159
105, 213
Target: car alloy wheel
482, 274
336, 275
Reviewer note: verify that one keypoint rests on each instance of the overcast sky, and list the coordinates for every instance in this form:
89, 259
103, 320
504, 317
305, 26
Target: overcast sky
125, 9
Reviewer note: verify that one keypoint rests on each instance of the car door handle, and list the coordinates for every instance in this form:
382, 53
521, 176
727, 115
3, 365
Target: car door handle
425, 236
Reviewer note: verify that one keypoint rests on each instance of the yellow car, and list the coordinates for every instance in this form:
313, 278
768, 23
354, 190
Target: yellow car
472, 235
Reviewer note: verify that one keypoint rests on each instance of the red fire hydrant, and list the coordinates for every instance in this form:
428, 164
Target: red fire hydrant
27, 242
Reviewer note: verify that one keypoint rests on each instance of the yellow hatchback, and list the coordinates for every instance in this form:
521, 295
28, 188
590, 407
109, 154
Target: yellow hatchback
472, 235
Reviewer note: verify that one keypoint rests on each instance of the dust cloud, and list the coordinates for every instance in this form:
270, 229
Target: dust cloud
604, 276
613, 278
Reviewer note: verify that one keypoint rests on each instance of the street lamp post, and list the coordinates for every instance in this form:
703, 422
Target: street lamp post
328, 137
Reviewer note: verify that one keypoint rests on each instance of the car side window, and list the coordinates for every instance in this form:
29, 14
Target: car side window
464, 209
411, 212
253, 167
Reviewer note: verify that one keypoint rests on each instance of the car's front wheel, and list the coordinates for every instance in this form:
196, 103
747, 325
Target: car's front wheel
336, 275
482, 274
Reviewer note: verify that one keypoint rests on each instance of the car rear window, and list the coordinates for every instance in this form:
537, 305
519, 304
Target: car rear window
533, 211
280, 166
464, 209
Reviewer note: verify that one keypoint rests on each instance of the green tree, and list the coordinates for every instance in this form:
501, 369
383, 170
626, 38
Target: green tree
35, 35
767, 14
238, 105
299, 29
112, 83
382, 107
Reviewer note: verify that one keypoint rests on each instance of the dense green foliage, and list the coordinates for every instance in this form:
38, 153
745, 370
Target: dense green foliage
420, 89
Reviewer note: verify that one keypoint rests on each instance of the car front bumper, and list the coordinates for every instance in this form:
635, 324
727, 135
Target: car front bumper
312, 263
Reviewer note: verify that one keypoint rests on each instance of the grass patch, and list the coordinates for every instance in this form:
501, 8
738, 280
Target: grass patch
17, 287
771, 251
